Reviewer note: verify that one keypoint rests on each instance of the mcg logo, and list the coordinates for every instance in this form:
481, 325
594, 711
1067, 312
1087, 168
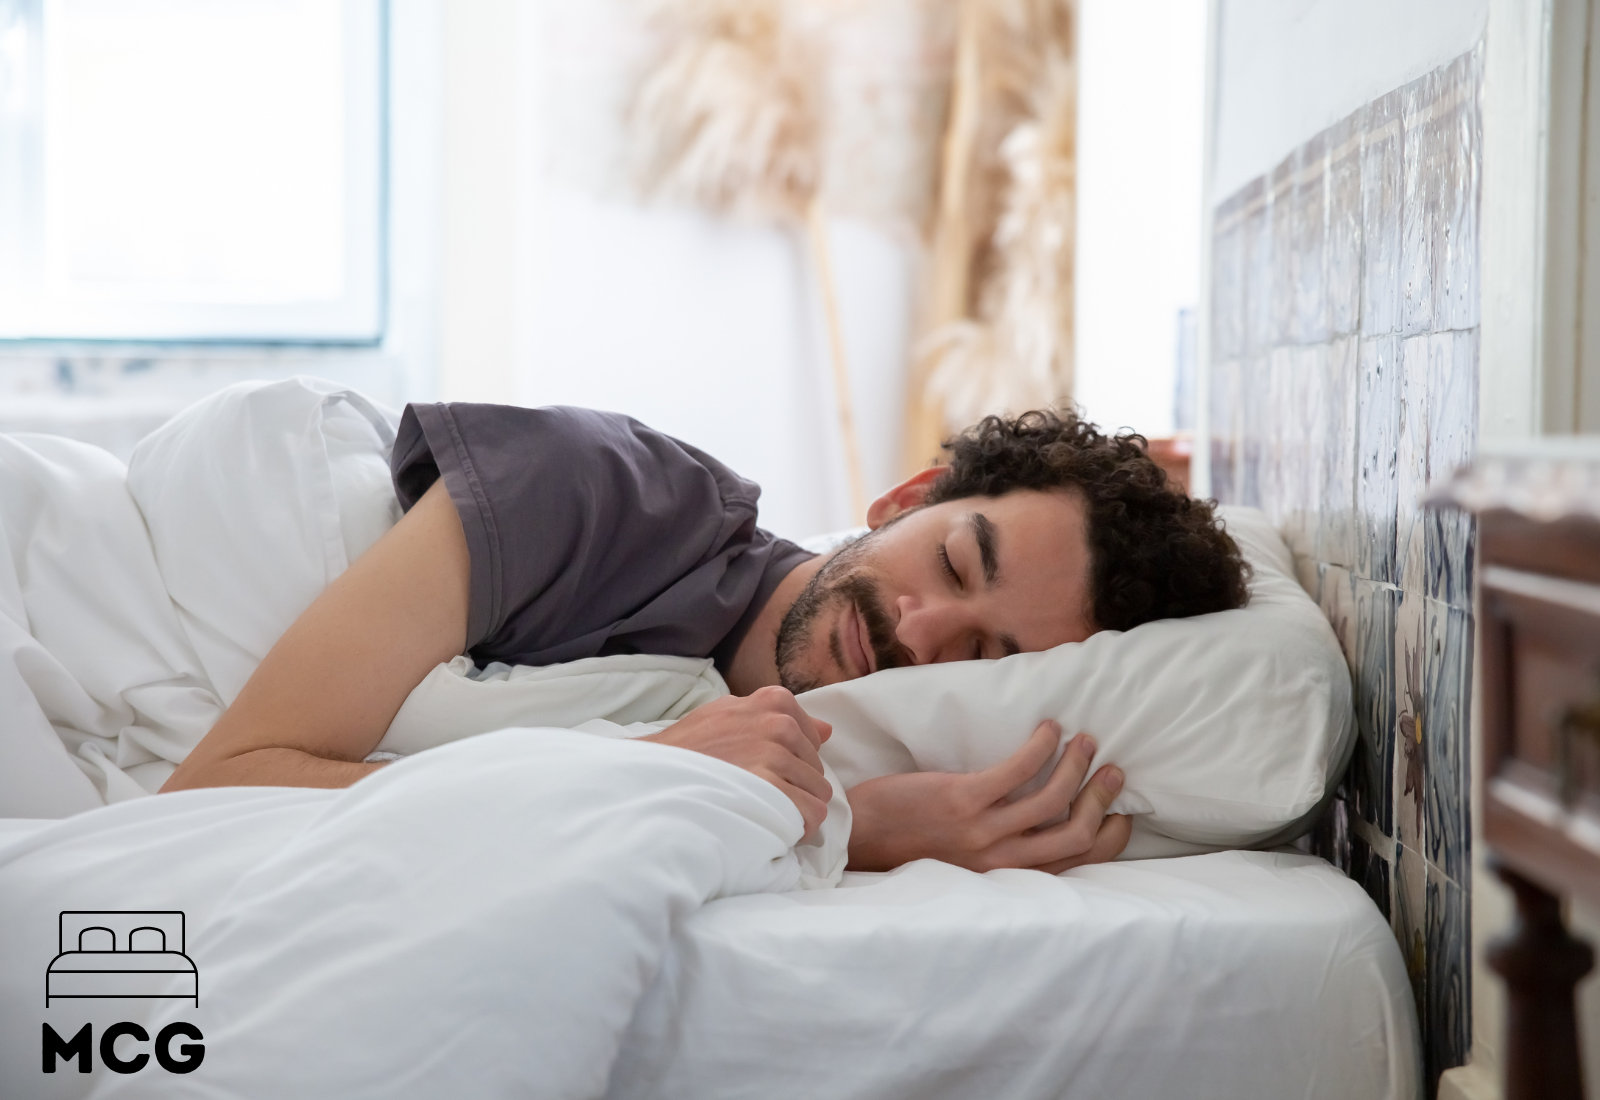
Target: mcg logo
115, 954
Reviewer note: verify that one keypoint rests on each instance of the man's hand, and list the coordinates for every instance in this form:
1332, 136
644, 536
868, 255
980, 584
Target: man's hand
766, 734
979, 821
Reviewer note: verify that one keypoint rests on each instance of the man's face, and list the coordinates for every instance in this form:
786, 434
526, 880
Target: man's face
980, 577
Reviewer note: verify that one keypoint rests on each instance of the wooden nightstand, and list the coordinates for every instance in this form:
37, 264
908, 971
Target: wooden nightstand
1539, 616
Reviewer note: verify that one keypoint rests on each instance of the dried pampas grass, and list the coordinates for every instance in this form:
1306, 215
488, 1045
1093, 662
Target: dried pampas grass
1015, 352
726, 118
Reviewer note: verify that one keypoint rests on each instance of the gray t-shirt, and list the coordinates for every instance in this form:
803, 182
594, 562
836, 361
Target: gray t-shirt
592, 534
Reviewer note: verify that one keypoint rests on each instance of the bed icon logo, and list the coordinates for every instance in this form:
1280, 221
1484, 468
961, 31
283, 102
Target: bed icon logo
122, 953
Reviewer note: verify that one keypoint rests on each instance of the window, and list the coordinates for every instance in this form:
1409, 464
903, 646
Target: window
186, 170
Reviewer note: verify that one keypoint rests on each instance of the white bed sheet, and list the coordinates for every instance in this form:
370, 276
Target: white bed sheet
1234, 975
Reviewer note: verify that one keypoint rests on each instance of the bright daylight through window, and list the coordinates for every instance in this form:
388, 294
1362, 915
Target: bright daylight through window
188, 170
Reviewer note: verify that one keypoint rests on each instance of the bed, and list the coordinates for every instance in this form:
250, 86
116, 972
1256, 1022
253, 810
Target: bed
543, 910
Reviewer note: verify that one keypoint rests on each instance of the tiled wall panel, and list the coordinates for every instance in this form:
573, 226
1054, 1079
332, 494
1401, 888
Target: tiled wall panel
1345, 380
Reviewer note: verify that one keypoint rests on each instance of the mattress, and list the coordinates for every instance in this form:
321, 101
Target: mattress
1237, 974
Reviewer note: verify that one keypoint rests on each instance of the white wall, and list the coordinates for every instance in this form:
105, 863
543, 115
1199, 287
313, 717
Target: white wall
1140, 131
1290, 68
562, 289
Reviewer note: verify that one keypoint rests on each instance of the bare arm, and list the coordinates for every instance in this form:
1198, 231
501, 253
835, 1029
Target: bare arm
324, 695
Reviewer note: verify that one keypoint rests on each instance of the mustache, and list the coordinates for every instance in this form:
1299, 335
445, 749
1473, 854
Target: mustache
863, 593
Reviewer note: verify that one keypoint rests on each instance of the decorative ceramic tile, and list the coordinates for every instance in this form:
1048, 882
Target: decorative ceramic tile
1276, 430
1382, 186
1448, 993
1371, 775
1419, 204
1410, 698
1458, 127
1372, 228
1452, 438
1370, 867
1225, 420
1446, 726
1280, 191
1410, 923
1337, 532
1342, 259
1330, 837
1258, 418
1308, 238
1227, 280
1336, 596
1377, 444
1411, 463
1256, 255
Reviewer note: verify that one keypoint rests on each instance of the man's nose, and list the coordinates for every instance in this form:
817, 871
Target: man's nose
931, 630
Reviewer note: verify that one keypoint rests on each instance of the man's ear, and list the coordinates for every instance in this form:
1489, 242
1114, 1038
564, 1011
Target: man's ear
905, 496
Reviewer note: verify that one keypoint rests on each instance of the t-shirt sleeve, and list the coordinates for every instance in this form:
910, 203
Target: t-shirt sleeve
576, 520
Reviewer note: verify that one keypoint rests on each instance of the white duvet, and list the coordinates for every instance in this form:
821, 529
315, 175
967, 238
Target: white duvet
479, 921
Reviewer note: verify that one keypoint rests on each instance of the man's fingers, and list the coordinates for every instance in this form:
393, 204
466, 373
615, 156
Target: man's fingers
1056, 796
1077, 835
1022, 765
1109, 841
791, 769
783, 701
793, 738
812, 809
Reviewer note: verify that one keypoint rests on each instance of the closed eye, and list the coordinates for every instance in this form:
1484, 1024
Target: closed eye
949, 570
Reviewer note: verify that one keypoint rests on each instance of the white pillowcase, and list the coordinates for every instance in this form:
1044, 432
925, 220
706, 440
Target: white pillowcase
1231, 728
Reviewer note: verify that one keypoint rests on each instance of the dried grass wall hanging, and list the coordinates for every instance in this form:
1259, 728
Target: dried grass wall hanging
1002, 324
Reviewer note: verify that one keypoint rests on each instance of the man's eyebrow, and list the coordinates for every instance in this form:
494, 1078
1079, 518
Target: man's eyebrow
983, 532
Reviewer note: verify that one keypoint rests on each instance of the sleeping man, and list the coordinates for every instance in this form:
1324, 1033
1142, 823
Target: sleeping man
535, 536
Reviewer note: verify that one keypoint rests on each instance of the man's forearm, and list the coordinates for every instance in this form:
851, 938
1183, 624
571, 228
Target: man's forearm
272, 767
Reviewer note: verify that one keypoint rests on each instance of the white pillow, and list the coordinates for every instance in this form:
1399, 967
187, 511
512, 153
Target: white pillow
1231, 728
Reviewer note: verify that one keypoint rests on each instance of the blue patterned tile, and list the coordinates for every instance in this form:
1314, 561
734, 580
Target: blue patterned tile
1371, 772
1256, 258
1225, 420
1382, 188
1378, 444
1330, 837
1410, 923
1227, 279
1410, 697
1281, 214
1452, 438
1448, 994
1308, 236
1371, 869
1342, 259
1337, 532
1419, 207
1411, 462
1459, 137
1446, 727
1257, 417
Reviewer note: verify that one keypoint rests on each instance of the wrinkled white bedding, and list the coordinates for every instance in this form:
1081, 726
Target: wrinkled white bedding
479, 921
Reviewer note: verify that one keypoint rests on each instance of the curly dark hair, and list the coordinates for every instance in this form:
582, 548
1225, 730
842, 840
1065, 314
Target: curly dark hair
1154, 551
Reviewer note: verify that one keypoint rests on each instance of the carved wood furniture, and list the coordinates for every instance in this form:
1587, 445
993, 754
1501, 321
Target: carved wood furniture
1539, 613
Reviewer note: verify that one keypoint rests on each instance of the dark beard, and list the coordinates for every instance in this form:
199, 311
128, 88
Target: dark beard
836, 580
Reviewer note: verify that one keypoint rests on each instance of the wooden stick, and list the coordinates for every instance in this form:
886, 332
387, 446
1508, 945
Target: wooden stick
822, 257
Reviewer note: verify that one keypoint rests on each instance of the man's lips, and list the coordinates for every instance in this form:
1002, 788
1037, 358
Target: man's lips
857, 640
